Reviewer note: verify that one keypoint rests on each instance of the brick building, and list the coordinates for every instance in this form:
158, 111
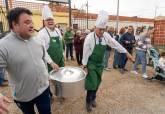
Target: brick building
159, 33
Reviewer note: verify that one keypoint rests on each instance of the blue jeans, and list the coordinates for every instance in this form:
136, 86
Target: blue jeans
116, 58
69, 49
42, 103
122, 60
106, 58
140, 58
2, 75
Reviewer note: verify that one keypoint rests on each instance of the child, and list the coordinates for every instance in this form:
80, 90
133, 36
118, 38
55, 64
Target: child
162, 61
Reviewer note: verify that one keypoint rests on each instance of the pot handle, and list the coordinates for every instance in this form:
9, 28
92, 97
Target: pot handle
68, 72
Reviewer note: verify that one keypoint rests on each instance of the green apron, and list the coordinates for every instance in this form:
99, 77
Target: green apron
95, 67
55, 51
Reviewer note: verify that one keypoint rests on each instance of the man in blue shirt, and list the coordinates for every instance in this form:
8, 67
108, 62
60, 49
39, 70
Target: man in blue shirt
127, 41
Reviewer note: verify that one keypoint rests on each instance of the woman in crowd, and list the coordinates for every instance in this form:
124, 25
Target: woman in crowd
143, 44
117, 54
78, 44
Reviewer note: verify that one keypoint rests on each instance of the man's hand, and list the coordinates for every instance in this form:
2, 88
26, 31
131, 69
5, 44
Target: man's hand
54, 66
133, 41
127, 42
84, 68
4, 104
130, 57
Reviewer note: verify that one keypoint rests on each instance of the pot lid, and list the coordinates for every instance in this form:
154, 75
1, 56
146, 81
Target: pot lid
68, 74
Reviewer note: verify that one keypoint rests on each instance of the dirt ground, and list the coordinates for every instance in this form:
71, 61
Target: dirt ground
118, 94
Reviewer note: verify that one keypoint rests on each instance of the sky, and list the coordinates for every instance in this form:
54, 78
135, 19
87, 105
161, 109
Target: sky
139, 8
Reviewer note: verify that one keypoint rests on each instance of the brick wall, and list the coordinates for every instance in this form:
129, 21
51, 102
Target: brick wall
1, 3
159, 33
112, 17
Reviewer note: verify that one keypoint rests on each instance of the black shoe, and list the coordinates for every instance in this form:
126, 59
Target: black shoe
4, 84
5, 80
89, 107
72, 58
125, 69
114, 67
94, 104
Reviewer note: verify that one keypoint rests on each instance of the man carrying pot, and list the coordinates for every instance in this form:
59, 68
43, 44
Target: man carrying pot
93, 54
51, 38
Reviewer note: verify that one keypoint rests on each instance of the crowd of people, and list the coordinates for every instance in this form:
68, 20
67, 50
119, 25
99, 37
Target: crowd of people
138, 43
28, 59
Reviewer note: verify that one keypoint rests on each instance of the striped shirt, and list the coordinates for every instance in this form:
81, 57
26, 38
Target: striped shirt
144, 42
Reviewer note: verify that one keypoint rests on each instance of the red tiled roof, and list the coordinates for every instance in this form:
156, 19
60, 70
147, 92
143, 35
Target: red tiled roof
112, 17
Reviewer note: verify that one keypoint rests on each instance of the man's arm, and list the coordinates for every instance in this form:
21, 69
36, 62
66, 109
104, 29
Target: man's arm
86, 50
48, 60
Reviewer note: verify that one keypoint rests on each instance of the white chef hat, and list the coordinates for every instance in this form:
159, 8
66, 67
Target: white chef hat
46, 13
102, 19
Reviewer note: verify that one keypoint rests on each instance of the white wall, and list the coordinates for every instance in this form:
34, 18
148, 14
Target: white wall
82, 23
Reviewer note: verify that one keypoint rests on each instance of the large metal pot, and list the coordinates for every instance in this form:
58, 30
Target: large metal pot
71, 80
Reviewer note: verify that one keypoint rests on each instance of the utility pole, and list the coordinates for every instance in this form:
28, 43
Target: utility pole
117, 16
70, 13
87, 14
156, 8
10, 4
7, 5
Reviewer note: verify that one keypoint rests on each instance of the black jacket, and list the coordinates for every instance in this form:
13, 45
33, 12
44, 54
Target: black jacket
130, 38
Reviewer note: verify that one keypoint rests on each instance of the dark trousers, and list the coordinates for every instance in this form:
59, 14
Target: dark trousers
2, 75
79, 57
42, 103
116, 59
51, 94
91, 96
122, 61
69, 49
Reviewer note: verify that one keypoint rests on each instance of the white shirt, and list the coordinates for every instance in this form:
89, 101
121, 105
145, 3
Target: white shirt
89, 45
44, 38
137, 37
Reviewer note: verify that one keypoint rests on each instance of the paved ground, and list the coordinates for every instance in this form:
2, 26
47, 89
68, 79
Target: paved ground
118, 94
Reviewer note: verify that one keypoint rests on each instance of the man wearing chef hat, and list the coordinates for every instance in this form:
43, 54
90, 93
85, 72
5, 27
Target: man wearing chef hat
93, 53
51, 38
